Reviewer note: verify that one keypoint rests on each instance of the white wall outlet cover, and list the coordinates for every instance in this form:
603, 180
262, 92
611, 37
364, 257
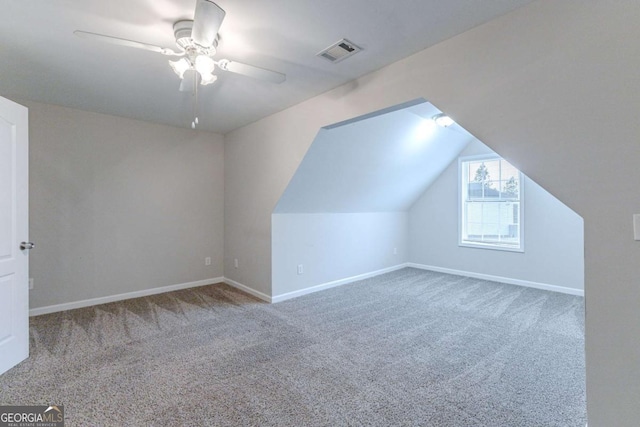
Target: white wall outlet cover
235, 263
636, 226
300, 269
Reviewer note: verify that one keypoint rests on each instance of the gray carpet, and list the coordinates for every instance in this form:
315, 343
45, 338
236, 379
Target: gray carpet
406, 348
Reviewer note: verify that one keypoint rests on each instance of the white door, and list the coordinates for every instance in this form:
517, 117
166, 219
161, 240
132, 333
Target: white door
14, 230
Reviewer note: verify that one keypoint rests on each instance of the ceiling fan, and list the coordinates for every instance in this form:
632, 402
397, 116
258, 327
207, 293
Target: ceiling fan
197, 41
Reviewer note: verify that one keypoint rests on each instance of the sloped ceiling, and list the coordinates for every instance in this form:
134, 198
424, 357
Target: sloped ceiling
374, 164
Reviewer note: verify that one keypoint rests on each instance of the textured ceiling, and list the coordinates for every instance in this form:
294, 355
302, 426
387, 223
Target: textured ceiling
41, 60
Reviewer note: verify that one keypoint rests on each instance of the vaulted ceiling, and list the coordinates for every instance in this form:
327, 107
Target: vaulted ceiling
41, 59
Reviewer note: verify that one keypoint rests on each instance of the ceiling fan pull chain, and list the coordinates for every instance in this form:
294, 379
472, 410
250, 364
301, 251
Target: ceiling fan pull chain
195, 104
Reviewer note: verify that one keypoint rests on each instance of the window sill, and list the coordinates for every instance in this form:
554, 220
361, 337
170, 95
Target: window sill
490, 247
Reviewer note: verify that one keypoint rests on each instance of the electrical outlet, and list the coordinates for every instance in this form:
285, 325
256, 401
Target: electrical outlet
300, 269
30, 283
395, 251
207, 261
235, 263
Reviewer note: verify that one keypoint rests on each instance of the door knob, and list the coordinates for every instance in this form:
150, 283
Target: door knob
27, 245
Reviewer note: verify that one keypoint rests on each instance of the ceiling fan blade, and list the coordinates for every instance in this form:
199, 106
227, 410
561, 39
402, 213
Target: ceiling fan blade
124, 42
206, 22
252, 71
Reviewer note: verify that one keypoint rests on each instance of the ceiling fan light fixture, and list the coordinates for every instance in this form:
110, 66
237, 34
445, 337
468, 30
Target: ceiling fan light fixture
207, 79
180, 66
204, 64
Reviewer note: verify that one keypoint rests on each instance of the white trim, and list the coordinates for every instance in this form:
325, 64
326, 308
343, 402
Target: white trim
245, 288
507, 280
333, 284
119, 297
489, 246
282, 297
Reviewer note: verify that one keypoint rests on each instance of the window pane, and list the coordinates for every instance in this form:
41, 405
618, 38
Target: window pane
474, 212
490, 221
510, 180
510, 189
474, 167
492, 189
474, 231
490, 231
508, 171
475, 190
493, 168
484, 171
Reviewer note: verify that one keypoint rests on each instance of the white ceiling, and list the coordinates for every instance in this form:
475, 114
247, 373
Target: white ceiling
376, 164
41, 60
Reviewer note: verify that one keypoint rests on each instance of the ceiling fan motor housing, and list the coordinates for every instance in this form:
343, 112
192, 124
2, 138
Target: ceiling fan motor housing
182, 32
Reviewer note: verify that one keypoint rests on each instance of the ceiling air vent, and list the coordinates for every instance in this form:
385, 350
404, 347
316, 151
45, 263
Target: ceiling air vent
339, 51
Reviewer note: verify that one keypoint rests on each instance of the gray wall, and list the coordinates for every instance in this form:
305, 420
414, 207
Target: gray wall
120, 205
335, 246
553, 88
553, 235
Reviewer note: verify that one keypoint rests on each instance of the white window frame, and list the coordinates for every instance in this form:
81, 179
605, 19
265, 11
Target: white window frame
461, 204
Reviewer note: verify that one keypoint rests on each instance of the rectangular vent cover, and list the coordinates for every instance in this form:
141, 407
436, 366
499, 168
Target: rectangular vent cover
340, 50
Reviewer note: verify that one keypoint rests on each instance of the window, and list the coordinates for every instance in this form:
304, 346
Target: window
490, 204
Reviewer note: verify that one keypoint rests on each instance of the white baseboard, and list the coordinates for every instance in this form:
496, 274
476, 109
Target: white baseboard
282, 297
119, 297
245, 288
507, 280
333, 284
